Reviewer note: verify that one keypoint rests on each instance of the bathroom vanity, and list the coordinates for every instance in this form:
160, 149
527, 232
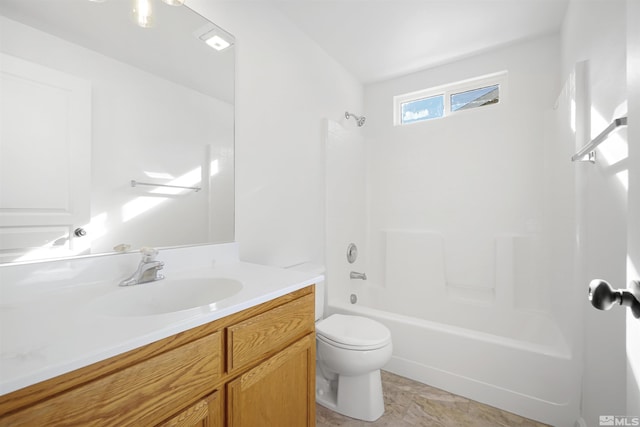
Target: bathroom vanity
247, 360
262, 359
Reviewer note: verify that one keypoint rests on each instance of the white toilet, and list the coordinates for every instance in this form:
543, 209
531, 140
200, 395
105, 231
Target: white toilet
350, 350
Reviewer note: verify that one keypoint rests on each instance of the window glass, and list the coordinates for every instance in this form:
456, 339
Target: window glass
451, 98
422, 109
475, 98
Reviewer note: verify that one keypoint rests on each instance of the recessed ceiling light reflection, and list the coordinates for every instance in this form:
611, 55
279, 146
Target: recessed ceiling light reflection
214, 37
217, 42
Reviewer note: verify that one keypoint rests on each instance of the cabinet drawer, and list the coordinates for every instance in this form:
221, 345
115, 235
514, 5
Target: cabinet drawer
261, 335
142, 394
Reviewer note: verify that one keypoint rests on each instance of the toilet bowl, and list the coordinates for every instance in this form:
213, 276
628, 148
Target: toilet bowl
350, 350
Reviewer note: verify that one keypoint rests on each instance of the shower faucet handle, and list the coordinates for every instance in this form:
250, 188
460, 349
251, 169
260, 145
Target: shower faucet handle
603, 296
356, 275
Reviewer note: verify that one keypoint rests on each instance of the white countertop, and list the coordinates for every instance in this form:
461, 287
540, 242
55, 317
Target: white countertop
46, 332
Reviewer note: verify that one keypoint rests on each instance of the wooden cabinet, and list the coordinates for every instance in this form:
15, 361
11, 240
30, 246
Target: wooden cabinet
252, 368
278, 392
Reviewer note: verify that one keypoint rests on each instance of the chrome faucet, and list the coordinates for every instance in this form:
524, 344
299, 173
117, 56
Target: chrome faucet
356, 275
148, 269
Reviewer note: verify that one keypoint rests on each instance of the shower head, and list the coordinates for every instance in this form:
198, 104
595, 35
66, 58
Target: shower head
359, 119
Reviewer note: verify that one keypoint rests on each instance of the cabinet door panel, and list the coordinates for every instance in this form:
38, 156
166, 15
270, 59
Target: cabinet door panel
204, 413
278, 392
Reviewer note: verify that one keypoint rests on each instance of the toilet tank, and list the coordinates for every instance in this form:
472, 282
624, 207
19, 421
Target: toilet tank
314, 270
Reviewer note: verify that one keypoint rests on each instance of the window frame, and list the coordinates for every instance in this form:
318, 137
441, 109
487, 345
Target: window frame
499, 78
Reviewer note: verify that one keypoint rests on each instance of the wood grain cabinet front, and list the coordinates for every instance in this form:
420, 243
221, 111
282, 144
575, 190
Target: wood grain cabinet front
142, 394
278, 392
259, 336
207, 412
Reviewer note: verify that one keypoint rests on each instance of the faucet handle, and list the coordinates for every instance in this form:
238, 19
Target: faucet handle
148, 254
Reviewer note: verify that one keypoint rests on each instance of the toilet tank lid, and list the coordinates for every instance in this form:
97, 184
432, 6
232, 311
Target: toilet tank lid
354, 330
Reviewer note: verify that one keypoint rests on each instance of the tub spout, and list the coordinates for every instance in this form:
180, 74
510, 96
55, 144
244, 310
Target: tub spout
356, 275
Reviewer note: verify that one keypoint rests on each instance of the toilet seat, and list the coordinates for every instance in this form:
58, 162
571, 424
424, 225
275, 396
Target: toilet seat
353, 332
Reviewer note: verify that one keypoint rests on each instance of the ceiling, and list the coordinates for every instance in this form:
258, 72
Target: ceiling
379, 39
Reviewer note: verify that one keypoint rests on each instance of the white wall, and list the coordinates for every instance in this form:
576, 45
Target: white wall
474, 177
285, 86
595, 31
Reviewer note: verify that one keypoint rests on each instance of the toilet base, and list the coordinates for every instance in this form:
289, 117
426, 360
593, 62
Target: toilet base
358, 397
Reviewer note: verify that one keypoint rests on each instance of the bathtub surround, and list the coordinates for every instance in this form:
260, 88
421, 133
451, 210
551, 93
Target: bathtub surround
457, 205
456, 224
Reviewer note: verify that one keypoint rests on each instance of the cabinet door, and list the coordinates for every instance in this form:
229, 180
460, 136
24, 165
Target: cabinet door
204, 413
278, 392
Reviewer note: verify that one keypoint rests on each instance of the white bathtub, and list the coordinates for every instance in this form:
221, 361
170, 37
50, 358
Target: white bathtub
512, 359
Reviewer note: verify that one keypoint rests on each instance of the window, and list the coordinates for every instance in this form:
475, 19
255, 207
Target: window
422, 109
449, 99
475, 98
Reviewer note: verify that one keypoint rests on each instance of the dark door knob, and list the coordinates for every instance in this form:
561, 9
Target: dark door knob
603, 296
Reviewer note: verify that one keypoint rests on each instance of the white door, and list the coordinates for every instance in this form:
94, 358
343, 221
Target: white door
45, 156
633, 222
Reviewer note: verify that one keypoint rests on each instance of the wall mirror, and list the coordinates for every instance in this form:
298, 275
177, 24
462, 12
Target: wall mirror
113, 136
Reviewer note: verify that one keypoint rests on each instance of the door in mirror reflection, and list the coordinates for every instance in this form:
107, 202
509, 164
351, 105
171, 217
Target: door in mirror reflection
44, 172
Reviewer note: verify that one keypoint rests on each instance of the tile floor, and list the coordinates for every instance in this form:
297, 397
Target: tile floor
412, 404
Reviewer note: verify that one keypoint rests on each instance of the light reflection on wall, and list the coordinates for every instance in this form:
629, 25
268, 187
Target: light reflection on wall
615, 148
96, 228
142, 204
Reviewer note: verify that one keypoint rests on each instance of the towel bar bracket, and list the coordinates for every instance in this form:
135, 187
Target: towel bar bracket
589, 149
589, 157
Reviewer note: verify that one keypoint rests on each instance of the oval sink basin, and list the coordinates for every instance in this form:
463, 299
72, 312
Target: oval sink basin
166, 296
